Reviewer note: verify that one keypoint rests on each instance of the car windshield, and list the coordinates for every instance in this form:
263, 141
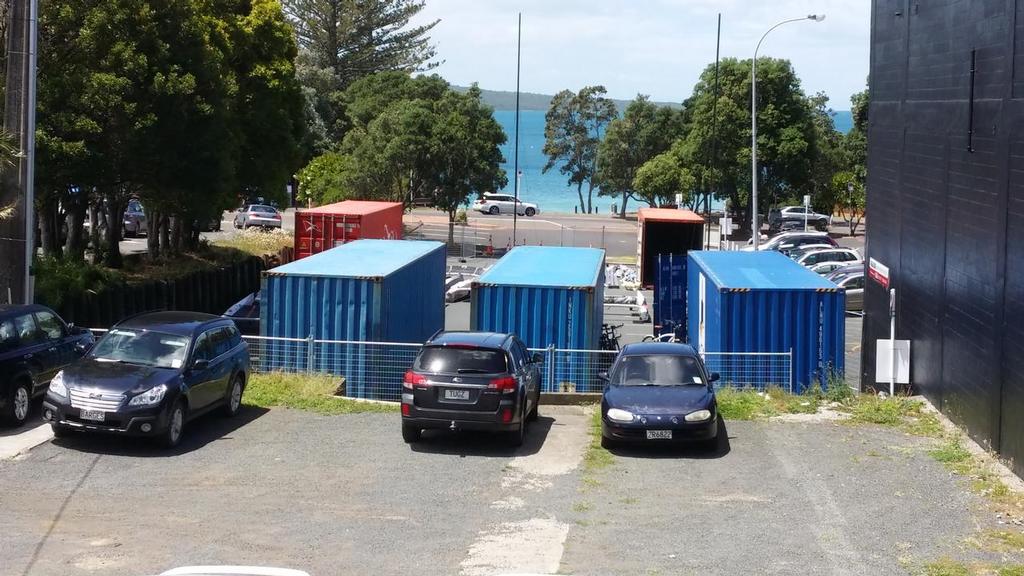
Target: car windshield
452, 360
657, 370
141, 347
262, 209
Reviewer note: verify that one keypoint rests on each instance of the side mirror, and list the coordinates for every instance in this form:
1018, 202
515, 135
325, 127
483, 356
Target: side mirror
201, 364
602, 376
81, 347
538, 358
715, 377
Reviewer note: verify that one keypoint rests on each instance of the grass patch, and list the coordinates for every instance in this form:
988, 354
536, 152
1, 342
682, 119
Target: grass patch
258, 242
1000, 541
745, 404
596, 458
582, 507
304, 392
983, 479
949, 567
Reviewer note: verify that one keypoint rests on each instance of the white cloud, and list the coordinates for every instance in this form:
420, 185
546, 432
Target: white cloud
655, 47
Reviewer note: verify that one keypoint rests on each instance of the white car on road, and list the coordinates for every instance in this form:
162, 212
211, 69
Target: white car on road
502, 204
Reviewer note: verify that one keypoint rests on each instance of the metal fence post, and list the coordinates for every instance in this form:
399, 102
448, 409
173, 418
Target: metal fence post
551, 369
790, 370
310, 357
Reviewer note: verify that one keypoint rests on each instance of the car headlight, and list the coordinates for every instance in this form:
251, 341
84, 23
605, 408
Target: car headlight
57, 385
698, 416
152, 396
618, 415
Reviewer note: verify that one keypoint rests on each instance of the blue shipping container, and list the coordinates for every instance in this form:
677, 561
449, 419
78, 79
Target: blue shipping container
548, 296
363, 291
670, 294
765, 302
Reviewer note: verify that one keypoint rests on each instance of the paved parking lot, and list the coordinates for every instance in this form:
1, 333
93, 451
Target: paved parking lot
344, 495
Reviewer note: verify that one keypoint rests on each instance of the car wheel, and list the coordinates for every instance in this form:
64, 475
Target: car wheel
515, 439
171, 435
494, 210
822, 225
411, 434
60, 431
532, 416
234, 403
19, 400
531, 212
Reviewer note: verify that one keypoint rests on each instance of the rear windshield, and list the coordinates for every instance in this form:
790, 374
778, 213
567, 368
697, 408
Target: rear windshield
657, 370
447, 359
264, 209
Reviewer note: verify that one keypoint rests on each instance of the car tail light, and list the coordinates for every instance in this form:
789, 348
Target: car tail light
412, 379
504, 385
506, 415
405, 409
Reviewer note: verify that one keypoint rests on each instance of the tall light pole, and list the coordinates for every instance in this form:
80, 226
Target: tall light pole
755, 225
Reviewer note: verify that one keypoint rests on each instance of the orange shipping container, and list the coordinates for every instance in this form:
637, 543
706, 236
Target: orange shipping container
323, 228
665, 231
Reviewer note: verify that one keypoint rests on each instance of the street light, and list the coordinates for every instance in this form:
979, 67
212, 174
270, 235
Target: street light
755, 225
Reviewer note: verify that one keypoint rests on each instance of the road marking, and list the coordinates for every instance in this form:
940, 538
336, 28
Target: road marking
534, 545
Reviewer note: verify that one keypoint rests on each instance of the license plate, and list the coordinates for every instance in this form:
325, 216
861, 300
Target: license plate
456, 394
94, 415
659, 434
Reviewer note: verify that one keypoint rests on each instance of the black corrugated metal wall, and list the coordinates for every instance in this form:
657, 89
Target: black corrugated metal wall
946, 211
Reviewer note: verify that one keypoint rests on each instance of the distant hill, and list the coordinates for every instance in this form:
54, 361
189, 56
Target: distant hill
502, 100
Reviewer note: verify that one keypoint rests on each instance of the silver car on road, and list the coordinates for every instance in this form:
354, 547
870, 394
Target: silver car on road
259, 215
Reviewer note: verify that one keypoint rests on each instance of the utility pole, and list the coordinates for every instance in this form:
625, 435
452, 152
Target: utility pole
515, 153
17, 232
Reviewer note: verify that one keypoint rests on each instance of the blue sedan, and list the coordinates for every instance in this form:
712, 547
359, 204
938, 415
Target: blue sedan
659, 392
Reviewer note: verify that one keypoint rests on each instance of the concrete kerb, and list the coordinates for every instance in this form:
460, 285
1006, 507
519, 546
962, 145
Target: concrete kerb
987, 457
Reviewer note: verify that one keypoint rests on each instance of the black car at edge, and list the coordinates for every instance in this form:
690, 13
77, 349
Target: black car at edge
149, 375
659, 392
35, 344
471, 381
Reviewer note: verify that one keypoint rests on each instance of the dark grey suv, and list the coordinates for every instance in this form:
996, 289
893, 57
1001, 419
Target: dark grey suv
471, 381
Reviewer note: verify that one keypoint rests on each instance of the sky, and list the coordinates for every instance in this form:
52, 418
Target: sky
653, 47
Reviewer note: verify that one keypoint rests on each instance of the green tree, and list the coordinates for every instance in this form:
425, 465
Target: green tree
465, 148
662, 177
644, 131
850, 197
829, 158
342, 41
786, 135
573, 127
324, 179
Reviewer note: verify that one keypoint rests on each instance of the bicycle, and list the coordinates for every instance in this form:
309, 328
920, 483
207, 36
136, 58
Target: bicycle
610, 336
668, 332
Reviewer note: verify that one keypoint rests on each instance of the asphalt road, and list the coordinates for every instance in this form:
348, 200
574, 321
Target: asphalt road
344, 495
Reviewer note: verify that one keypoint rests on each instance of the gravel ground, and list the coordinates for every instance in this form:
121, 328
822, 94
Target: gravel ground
344, 495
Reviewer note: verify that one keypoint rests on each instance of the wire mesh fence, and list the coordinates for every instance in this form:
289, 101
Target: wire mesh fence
759, 370
374, 370
569, 371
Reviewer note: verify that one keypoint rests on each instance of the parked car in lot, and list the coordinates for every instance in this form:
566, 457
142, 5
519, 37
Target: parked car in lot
471, 381
795, 252
825, 268
851, 278
150, 375
495, 204
35, 344
259, 215
134, 219
799, 214
788, 240
659, 392
813, 257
